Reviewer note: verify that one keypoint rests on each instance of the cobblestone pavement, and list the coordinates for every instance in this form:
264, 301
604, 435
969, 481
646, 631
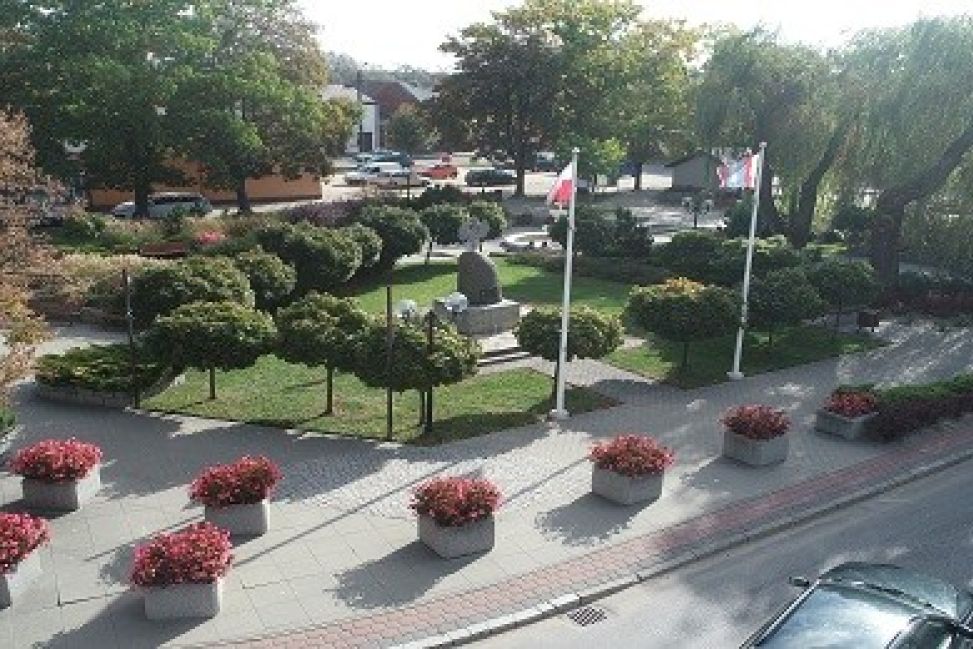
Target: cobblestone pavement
342, 543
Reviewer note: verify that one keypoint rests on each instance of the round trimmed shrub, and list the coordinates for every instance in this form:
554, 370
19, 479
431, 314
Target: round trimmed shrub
271, 279
591, 334
491, 213
783, 298
324, 259
844, 282
685, 311
443, 223
401, 231
159, 290
320, 329
369, 242
211, 335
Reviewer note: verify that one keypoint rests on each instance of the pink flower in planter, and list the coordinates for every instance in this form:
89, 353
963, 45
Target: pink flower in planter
453, 502
20, 534
632, 455
851, 403
56, 460
198, 554
756, 421
244, 482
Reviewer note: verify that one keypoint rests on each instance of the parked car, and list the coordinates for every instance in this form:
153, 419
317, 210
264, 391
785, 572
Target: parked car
394, 178
546, 161
365, 173
440, 171
163, 204
490, 178
403, 159
864, 605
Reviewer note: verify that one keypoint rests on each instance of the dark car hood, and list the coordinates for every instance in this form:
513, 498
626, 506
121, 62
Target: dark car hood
940, 594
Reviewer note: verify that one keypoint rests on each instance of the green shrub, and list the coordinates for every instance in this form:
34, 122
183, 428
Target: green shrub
271, 280
843, 283
491, 213
321, 330
101, 368
324, 259
401, 231
591, 334
7, 419
685, 311
212, 335
904, 409
443, 223
444, 194
689, 253
783, 297
851, 218
369, 242
161, 289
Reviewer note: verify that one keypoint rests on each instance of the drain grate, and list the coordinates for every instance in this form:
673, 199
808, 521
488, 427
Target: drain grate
587, 615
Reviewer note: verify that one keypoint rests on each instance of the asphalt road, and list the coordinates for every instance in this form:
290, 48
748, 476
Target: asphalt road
718, 602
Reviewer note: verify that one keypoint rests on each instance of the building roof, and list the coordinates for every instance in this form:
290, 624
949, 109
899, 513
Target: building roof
693, 156
390, 95
337, 91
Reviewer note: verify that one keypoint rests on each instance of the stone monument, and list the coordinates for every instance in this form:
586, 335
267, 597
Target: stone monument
487, 312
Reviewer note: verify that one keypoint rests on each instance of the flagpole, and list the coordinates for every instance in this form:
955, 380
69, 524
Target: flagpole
560, 410
735, 373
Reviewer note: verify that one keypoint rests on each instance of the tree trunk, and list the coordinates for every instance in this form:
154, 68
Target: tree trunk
521, 176
770, 336
768, 215
422, 408
212, 383
891, 204
801, 220
329, 383
243, 197
429, 251
638, 174
685, 356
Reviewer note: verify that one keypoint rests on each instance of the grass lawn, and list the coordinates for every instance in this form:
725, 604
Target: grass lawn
277, 393
523, 283
710, 360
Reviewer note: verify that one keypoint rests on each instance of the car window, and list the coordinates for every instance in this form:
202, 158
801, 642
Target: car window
931, 635
841, 616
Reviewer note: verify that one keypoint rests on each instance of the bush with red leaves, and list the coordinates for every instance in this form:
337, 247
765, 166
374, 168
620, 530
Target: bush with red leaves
632, 455
453, 502
198, 554
56, 460
756, 421
244, 482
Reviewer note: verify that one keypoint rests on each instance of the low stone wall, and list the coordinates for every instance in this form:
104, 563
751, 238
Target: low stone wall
85, 397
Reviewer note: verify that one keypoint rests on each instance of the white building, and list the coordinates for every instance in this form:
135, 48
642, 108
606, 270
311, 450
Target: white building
366, 137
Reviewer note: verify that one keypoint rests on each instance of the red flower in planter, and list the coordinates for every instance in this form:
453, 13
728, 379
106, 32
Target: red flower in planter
198, 554
632, 455
244, 482
56, 460
756, 422
851, 403
453, 502
20, 534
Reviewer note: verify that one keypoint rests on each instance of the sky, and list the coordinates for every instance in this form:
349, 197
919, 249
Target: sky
390, 33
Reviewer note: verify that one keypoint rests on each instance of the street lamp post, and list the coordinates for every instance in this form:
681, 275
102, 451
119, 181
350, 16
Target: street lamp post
697, 205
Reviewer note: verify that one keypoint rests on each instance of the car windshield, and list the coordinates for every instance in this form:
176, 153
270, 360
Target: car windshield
837, 617
922, 588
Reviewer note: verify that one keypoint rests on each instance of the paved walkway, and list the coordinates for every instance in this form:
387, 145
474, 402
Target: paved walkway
343, 544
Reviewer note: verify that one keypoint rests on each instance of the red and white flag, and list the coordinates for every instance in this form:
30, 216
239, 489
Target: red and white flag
740, 173
560, 193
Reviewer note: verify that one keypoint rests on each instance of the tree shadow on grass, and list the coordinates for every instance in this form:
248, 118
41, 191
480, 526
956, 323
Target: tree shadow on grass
398, 578
587, 520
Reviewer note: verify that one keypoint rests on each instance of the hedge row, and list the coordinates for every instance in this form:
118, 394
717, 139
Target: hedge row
904, 409
102, 368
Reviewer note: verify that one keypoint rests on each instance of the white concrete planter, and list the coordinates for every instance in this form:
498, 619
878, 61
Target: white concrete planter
241, 520
183, 600
755, 452
19, 579
626, 490
452, 542
847, 427
61, 496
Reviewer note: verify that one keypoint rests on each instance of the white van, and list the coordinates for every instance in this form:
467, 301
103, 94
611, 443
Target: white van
363, 174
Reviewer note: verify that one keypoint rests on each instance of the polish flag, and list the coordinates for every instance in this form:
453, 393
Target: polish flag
561, 191
739, 174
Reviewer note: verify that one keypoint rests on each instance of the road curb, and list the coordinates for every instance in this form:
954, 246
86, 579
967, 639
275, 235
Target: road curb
556, 606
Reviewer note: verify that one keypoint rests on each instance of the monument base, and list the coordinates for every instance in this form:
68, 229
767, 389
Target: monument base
487, 319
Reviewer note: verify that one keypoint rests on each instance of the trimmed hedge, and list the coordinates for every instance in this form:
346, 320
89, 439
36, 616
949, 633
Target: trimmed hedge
101, 368
907, 408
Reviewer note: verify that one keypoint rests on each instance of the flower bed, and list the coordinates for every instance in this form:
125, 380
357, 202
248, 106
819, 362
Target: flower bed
198, 554
632, 455
244, 482
56, 460
456, 515
755, 434
20, 534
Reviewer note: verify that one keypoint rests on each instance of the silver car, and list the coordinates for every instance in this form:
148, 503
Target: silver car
163, 204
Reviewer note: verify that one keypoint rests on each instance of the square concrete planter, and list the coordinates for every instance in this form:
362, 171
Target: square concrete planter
241, 520
626, 490
19, 579
61, 496
180, 601
755, 452
452, 542
847, 427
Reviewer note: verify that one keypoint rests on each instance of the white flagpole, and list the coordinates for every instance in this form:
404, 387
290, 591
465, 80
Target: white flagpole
735, 373
560, 410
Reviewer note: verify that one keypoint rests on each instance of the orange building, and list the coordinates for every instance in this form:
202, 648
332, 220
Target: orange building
269, 189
